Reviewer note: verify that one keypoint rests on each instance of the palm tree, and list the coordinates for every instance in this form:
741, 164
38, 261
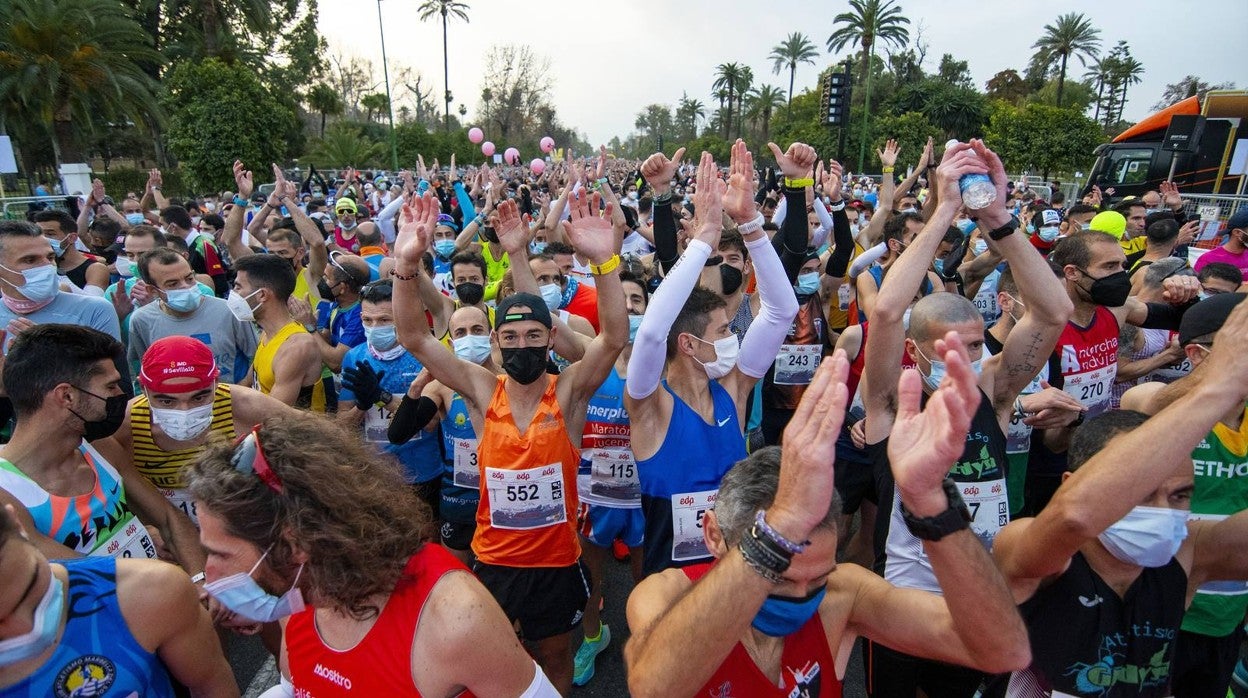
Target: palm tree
72, 63
868, 23
323, 99
728, 75
1100, 72
765, 101
688, 111
1071, 35
745, 80
345, 145
788, 53
445, 8
1130, 72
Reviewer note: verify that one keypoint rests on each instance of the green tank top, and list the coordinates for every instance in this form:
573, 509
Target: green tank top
1221, 461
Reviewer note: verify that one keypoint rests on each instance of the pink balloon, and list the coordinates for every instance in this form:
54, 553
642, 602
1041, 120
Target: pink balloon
548, 144
538, 166
511, 156
475, 135
487, 149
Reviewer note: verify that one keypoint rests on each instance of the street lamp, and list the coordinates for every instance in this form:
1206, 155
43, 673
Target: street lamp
385, 67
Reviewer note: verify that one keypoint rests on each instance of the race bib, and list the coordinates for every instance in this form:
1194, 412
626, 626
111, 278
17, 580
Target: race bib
614, 474
989, 505
182, 501
466, 473
526, 499
796, 363
844, 294
130, 539
377, 423
688, 511
1092, 388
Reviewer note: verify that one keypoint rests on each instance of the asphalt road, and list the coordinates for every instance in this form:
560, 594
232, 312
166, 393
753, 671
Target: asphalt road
255, 671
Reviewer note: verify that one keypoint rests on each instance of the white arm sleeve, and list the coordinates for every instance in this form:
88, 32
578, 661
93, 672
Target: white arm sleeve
541, 686
782, 209
821, 233
778, 307
385, 219
866, 259
645, 366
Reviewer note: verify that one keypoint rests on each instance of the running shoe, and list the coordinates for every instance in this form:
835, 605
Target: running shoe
588, 652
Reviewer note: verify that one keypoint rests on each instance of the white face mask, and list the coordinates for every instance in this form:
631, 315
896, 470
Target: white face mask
1146, 536
472, 347
183, 425
937, 372
239, 306
726, 350
553, 295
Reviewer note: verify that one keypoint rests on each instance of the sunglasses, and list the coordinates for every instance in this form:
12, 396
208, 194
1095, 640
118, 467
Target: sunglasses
249, 458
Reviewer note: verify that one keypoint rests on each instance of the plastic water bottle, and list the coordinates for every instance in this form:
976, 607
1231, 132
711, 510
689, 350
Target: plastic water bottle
977, 189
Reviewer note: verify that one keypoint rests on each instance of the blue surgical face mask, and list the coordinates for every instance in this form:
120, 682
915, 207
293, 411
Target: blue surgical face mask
807, 283
939, 265
134, 218
444, 248
782, 615
536, 247
126, 268
183, 300
240, 593
58, 246
979, 247
1146, 536
472, 347
1049, 233
382, 337
42, 635
553, 295
40, 282
634, 322
937, 373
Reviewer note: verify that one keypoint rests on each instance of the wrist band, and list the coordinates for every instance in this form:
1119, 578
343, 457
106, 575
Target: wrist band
760, 522
400, 277
837, 206
767, 559
606, 267
663, 199
197, 578
887, 169
799, 183
751, 226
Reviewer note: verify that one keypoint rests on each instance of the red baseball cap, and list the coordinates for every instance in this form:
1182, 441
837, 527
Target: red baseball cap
171, 360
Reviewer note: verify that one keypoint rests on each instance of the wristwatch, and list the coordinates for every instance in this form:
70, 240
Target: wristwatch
384, 398
951, 520
1007, 229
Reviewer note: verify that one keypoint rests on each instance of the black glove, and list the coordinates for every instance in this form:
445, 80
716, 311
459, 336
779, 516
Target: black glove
364, 382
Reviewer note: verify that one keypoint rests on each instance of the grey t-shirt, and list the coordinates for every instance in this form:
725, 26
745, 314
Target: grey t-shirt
70, 309
233, 343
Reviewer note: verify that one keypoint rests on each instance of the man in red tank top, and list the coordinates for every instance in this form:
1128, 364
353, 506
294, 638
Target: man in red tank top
774, 617
305, 526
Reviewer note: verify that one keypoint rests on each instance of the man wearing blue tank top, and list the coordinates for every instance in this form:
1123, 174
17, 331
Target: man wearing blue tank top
687, 435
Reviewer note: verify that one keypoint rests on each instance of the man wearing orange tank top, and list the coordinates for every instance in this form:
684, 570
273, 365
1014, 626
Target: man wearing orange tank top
529, 452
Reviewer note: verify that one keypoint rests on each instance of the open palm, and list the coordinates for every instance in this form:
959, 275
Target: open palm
591, 234
420, 216
739, 198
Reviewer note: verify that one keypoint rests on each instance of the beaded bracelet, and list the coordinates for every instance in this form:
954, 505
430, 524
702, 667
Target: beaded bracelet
760, 522
764, 562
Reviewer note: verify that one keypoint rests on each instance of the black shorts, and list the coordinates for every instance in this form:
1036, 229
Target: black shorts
547, 601
430, 492
456, 535
854, 477
1202, 665
891, 673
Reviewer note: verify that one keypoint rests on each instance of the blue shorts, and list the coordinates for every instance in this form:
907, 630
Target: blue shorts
602, 525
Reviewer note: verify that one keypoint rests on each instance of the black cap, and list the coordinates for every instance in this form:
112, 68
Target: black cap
537, 310
1206, 317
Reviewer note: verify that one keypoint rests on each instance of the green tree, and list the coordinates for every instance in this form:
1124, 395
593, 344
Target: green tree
1007, 85
655, 121
727, 78
1189, 86
789, 53
745, 81
688, 112
1079, 95
1042, 137
71, 64
1071, 35
323, 100
344, 145
1129, 72
375, 103
763, 102
954, 72
218, 113
445, 9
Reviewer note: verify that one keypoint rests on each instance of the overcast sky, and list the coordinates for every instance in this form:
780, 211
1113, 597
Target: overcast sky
608, 60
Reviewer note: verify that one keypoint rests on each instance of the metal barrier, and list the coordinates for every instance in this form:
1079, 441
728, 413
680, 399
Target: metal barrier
1213, 210
15, 208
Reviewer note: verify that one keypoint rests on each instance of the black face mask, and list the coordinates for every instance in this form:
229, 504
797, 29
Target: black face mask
524, 364
114, 415
489, 235
730, 278
469, 293
1110, 291
326, 291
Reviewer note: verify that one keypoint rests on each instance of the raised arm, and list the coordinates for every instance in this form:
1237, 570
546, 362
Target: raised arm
318, 253
464, 377
232, 233
658, 171
794, 235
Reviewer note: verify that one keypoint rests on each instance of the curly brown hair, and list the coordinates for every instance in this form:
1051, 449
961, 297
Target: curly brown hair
342, 503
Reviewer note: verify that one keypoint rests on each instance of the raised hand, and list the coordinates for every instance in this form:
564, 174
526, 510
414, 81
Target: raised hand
1170, 195
928, 154
511, 231
959, 160
996, 171
602, 162
888, 156
658, 171
1180, 290
1188, 232
153, 179
420, 217
738, 200
708, 204
591, 234
808, 456
833, 181
924, 444
300, 311
243, 180
796, 162
97, 191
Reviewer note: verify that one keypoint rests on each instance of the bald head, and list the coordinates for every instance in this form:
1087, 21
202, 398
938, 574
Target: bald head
933, 316
357, 270
466, 318
368, 234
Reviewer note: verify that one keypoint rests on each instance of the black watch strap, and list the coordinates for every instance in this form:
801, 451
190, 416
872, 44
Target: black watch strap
1007, 229
951, 520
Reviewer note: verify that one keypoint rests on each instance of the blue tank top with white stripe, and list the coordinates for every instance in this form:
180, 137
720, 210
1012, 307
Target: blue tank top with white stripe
97, 654
679, 483
459, 495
